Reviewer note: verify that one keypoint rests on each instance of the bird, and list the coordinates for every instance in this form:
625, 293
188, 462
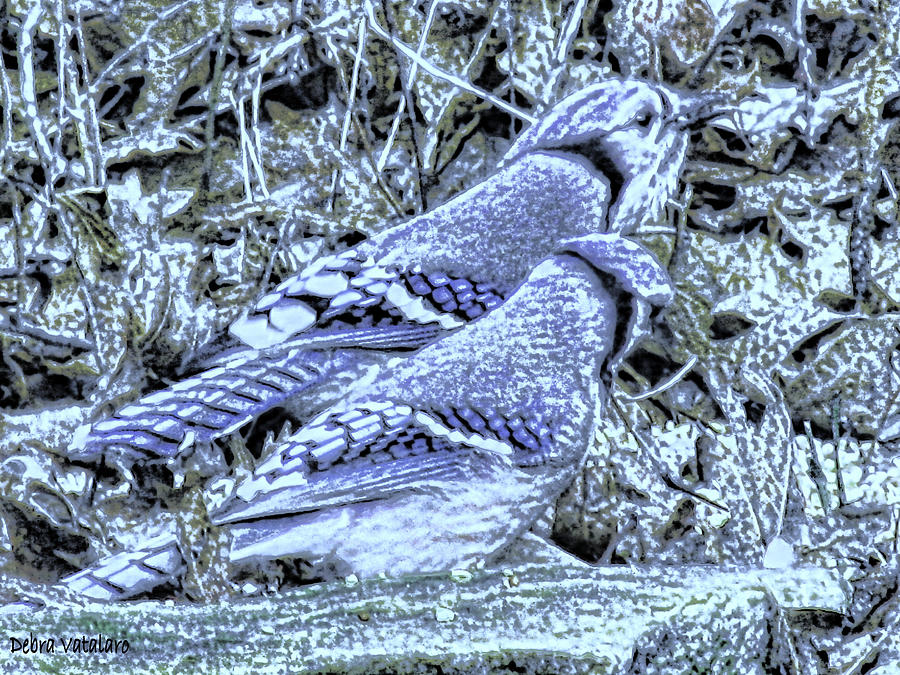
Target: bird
596, 162
448, 454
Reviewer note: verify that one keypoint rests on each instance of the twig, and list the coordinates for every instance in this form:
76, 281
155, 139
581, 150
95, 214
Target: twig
85, 285
7, 115
165, 288
249, 149
888, 183
443, 74
473, 58
354, 80
62, 40
28, 93
889, 630
20, 248
98, 176
81, 130
260, 174
667, 384
351, 97
511, 65
785, 627
413, 71
245, 170
566, 37
140, 42
18, 329
664, 475
214, 87
406, 87
273, 254
20, 384
838, 441
206, 38
816, 474
369, 152
807, 55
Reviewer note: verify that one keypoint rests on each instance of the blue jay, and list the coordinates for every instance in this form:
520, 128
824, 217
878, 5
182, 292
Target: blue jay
444, 456
598, 158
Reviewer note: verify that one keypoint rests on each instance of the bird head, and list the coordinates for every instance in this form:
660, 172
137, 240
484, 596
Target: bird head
635, 277
633, 132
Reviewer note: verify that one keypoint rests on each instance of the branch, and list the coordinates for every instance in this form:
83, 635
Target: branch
542, 618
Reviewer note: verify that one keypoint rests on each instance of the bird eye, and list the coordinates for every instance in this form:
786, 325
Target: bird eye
643, 119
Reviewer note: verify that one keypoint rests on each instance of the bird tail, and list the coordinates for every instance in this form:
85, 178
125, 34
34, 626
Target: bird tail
207, 406
124, 575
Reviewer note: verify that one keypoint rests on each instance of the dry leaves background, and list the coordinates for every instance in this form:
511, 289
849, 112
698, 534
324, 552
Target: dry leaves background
165, 162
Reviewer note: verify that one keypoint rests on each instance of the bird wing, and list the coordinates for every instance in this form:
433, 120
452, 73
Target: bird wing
378, 448
351, 298
355, 304
444, 267
129, 573
207, 406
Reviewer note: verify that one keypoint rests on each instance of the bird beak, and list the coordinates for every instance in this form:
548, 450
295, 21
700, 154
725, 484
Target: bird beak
634, 266
693, 111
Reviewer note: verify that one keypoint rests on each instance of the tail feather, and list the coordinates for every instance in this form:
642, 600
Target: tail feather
130, 573
205, 407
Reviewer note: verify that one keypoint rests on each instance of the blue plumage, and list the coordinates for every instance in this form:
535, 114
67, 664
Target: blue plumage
436, 459
440, 458
425, 278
